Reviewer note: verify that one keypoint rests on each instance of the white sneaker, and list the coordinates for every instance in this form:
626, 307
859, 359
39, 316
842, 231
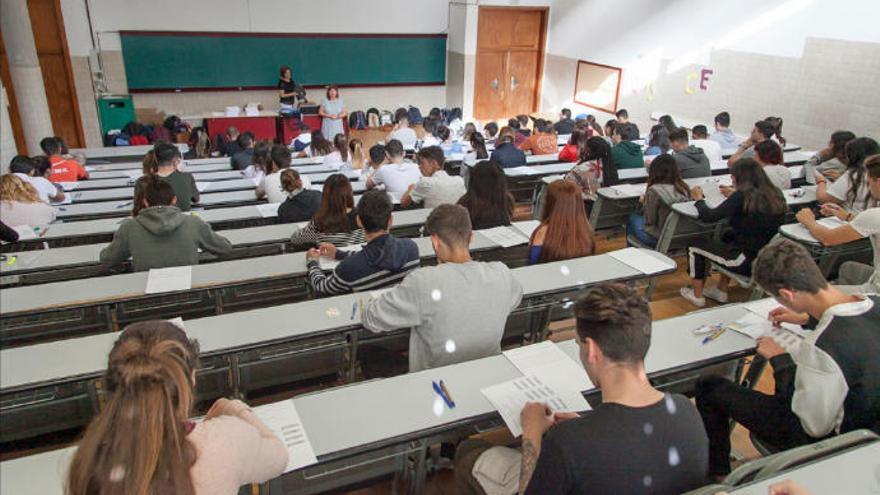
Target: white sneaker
715, 294
688, 293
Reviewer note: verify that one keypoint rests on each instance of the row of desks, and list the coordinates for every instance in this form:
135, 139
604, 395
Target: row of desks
369, 420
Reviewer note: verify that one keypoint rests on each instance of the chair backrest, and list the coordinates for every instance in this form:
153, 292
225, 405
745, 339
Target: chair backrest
816, 451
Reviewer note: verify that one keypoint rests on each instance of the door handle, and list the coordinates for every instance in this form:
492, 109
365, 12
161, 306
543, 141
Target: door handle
494, 84
513, 83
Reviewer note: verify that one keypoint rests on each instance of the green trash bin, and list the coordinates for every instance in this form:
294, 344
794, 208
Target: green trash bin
115, 111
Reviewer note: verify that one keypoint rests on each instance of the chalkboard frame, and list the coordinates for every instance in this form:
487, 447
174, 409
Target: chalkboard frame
135, 88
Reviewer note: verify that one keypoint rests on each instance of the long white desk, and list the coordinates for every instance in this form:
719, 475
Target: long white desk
827, 257
791, 158
214, 171
399, 410
120, 151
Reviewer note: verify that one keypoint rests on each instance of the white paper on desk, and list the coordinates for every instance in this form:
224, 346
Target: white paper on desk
524, 170
762, 307
331, 263
283, 419
203, 186
25, 232
509, 398
268, 210
527, 227
630, 190
169, 279
68, 198
69, 186
549, 363
639, 260
504, 236
754, 326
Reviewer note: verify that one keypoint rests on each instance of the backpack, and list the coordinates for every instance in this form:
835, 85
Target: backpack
160, 135
414, 115
386, 118
373, 111
434, 113
373, 120
137, 139
357, 120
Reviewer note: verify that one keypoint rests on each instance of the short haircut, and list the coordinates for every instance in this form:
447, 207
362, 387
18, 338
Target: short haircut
232, 131
451, 223
723, 119
622, 114
566, 113
165, 153
543, 126
618, 319
245, 139
785, 264
21, 164
157, 192
374, 209
280, 155
491, 129
679, 135
50, 146
770, 152
377, 154
41, 165
523, 119
394, 148
434, 153
627, 131
699, 130
767, 129
513, 123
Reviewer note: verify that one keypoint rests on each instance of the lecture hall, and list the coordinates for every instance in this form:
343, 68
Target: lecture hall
476, 247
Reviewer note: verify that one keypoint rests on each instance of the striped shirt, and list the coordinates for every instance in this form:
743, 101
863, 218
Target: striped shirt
310, 235
384, 261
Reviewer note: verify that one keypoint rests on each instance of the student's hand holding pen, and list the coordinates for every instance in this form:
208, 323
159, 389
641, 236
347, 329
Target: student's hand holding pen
785, 315
327, 250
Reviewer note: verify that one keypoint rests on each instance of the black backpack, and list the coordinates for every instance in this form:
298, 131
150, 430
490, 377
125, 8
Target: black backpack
414, 115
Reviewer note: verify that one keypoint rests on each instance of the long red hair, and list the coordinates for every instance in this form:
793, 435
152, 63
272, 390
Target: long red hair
568, 231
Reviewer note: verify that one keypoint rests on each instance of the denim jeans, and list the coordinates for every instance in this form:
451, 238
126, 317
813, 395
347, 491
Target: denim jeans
635, 226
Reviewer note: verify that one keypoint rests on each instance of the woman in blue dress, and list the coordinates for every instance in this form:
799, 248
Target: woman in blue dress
332, 114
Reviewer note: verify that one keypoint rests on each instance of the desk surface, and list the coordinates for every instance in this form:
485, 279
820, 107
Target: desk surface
793, 197
41, 362
854, 471
118, 151
402, 407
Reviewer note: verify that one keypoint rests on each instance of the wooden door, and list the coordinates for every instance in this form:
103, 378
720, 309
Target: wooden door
510, 52
50, 39
14, 117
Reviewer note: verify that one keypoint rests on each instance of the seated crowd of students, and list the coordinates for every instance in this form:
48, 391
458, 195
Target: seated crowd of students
826, 383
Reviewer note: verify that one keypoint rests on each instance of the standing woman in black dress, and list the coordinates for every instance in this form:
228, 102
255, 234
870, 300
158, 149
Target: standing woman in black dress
288, 90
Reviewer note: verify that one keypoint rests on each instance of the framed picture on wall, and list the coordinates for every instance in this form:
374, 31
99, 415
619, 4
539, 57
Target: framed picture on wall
597, 86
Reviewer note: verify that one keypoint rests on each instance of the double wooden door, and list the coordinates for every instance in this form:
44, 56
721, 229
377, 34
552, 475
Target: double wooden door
510, 54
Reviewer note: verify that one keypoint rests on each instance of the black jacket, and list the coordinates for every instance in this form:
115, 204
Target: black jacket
299, 208
508, 155
749, 231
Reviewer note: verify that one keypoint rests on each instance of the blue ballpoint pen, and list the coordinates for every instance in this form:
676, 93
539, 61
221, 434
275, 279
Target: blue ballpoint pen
439, 392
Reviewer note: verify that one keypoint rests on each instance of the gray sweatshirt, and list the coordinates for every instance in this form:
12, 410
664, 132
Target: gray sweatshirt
817, 164
659, 199
692, 163
456, 311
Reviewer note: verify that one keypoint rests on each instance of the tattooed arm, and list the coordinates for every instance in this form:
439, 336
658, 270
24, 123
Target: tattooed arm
536, 420
531, 449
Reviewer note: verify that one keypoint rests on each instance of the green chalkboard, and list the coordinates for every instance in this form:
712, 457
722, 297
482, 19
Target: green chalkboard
164, 61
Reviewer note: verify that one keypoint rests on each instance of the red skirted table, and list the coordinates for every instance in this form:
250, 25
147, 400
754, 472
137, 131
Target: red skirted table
262, 126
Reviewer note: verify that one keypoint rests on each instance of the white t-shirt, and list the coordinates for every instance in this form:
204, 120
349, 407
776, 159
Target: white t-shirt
438, 189
271, 184
335, 160
779, 175
397, 177
711, 148
840, 188
406, 136
45, 189
867, 224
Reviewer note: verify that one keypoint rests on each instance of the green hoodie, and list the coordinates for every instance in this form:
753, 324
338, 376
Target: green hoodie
163, 236
627, 154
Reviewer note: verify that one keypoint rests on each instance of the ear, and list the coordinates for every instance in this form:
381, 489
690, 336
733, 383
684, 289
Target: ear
357, 220
436, 243
390, 221
594, 354
786, 297
174, 201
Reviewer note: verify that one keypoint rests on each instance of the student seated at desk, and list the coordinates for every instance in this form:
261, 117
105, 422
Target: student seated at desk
571, 152
490, 130
487, 199
149, 165
199, 144
261, 163
518, 134
478, 152
723, 135
830, 161
853, 276
20, 203
565, 124
506, 154
827, 382
701, 140
457, 310
665, 188
300, 144
356, 154
523, 123
762, 131
658, 141
754, 211
183, 183
626, 153
271, 186
623, 118
378, 157
397, 174
403, 132
335, 222
383, 261
301, 204
228, 145
691, 161
63, 169
667, 122
244, 158
564, 232
339, 158
595, 169
637, 440
543, 141
436, 187
25, 168
143, 441
319, 145
469, 130
850, 190
769, 154
608, 130
160, 235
